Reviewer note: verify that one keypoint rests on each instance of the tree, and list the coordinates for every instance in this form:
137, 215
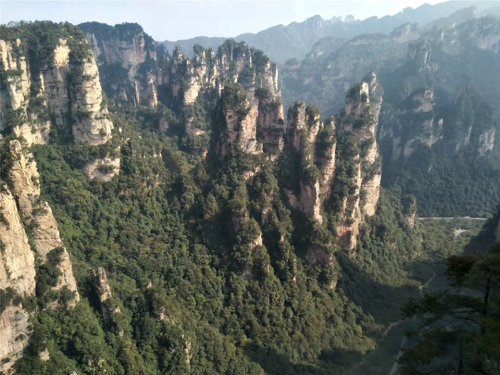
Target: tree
461, 326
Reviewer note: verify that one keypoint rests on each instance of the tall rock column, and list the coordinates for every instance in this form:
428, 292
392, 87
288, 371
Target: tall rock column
24, 181
360, 119
66, 90
17, 278
302, 129
15, 96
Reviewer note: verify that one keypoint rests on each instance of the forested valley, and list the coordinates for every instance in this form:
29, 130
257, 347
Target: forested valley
217, 213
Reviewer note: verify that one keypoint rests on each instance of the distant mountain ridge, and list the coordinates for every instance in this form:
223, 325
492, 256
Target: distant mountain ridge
295, 40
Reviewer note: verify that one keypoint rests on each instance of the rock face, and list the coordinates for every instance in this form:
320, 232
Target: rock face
24, 181
104, 292
302, 130
66, 90
422, 121
255, 123
360, 119
123, 53
15, 95
102, 169
131, 54
17, 271
315, 143
262, 127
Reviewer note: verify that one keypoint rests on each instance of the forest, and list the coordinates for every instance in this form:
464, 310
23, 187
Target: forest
218, 232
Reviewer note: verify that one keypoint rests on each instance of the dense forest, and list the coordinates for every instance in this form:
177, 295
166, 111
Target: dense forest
208, 233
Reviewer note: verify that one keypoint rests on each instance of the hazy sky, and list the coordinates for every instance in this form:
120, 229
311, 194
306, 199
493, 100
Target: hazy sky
174, 20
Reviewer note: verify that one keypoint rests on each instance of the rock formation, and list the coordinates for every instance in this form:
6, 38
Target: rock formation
103, 169
24, 182
254, 123
17, 272
360, 119
302, 129
123, 54
104, 292
63, 94
315, 143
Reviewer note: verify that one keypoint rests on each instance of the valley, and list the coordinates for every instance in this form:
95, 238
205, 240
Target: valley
249, 207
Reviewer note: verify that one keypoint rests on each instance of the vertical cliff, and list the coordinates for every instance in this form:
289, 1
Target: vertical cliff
302, 129
126, 57
357, 186
17, 280
252, 118
360, 119
55, 90
37, 214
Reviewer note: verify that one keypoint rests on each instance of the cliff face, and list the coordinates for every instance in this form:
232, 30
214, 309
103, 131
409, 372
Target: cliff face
123, 54
104, 293
426, 121
251, 109
24, 181
17, 271
60, 93
302, 130
357, 188
208, 73
360, 119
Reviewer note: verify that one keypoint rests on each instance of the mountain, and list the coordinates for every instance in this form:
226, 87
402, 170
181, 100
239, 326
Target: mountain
179, 225
295, 40
441, 87
161, 213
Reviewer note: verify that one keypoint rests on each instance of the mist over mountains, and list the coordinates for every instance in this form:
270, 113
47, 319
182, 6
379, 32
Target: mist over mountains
295, 40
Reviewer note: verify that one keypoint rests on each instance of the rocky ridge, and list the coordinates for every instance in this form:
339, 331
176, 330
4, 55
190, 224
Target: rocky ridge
315, 143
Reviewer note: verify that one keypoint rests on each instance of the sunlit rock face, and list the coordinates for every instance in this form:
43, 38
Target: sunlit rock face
68, 95
315, 143
360, 118
17, 271
126, 57
24, 182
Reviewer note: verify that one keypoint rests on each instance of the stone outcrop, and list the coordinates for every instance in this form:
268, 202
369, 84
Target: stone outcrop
262, 127
104, 293
128, 50
253, 121
15, 95
102, 169
17, 271
420, 52
186, 80
327, 157
24, 181
360, 119
302, 130
315, 142
67, 91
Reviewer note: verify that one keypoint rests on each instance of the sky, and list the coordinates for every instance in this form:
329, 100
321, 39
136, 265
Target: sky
174, 20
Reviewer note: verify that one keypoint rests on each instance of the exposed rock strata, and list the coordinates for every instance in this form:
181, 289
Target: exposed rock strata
69, 93
102, 169
125, 48
24, 181
104, 292
17, 271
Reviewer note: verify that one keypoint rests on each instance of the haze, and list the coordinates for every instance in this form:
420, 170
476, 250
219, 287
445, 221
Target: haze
173, 20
